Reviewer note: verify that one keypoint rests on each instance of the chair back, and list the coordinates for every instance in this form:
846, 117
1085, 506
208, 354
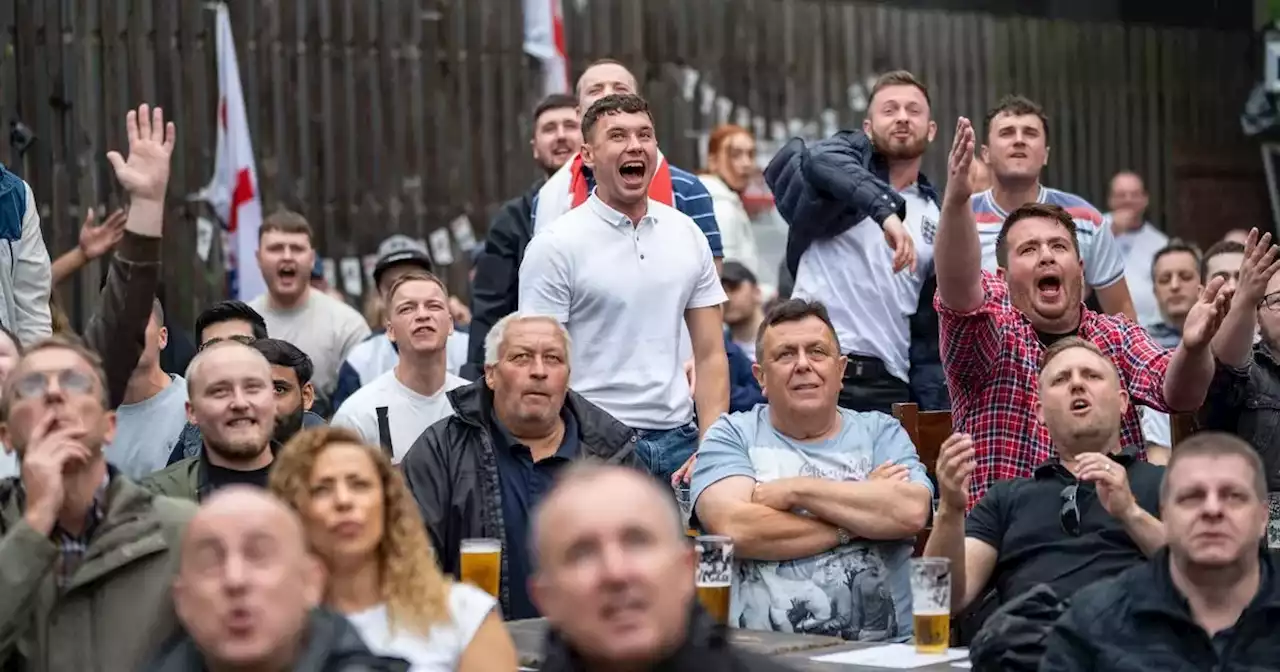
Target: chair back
1181, 427
927, 429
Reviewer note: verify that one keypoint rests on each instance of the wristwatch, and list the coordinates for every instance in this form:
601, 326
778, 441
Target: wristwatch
842, 535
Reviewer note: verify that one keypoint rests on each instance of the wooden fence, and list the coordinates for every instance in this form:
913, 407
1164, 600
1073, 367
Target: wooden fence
399, 115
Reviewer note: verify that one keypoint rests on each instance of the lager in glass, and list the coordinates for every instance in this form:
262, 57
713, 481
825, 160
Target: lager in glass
933, 632
715, 575
931, 603
481, 564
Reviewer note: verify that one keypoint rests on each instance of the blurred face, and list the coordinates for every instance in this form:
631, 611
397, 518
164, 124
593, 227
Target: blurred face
286, 260
531, 377
58, 385
898, 122
1128, 193
1269, 313
246, 585
1044, 272
345, 508
735, 163
232, 400
1237, 236
623, 152
8, 357
1177, 281
1225, 265
418, 317
1081, 401
800, 367
1213, 516
291, 401
557, 134
155, 339
744, 302
614, 578
603, 80
1016, 148
227, 330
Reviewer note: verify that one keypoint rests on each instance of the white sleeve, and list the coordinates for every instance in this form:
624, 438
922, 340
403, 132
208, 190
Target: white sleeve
1155, 427
468, 607
708, 291
32, 279
1103, 264
545, 279
351, 417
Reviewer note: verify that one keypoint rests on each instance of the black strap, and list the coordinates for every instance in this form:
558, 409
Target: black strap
384, 431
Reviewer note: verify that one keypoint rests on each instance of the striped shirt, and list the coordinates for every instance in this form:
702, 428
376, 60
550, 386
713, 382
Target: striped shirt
1103, 264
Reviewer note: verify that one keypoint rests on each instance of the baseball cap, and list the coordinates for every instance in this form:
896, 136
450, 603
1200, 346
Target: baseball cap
401, 249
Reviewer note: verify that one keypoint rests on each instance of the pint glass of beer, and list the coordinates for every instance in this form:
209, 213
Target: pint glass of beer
931, 603
715, 575
481, 564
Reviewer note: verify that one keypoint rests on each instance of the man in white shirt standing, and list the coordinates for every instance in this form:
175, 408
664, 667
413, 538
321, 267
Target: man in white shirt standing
393, 409
620, 273
320, 325
154, 411
1138, 241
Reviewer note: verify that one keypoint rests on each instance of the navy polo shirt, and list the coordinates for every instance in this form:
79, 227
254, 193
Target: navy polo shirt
523, 484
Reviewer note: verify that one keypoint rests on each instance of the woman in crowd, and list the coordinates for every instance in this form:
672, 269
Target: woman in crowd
731, 165
10, 353
363, 524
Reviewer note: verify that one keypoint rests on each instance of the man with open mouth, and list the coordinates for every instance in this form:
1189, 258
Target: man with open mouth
994, 328
1017, 149
626, 274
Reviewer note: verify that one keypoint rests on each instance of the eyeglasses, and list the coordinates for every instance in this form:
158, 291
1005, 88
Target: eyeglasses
1069, 516
1270, 301
36, 384
247, 340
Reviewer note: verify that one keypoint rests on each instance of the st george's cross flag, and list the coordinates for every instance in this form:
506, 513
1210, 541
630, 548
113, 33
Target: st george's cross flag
544, 40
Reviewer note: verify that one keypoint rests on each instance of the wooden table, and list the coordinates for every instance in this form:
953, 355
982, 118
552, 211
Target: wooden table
792, 649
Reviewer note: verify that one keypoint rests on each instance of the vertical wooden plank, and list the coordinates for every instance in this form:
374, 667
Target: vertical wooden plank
8, 70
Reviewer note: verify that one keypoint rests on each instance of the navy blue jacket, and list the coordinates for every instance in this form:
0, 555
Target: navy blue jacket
744, 391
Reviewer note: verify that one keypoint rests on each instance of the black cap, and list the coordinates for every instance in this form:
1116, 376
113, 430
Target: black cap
401, 249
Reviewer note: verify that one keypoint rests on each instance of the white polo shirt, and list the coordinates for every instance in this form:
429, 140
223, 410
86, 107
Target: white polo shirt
622, 290
1138, 248
870, 305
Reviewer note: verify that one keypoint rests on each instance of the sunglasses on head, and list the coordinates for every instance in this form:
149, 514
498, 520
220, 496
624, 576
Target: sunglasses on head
247, 340
1069, 516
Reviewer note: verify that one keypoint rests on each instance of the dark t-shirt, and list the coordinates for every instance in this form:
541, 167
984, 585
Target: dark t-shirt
221, 477
1021, 519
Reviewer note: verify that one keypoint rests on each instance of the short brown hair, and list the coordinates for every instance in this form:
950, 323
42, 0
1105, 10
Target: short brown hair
794, 310
285, 221
60, 342
1071, 343
1033, 211
1217, 444
418, 276
898, 78
1016, 105
616, 103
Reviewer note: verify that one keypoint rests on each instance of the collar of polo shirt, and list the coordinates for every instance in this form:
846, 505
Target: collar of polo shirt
608, 214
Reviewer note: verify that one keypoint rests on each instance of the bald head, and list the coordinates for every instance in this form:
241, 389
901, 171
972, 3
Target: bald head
584, 482
244, 502
231, 398
215, 355
605, 77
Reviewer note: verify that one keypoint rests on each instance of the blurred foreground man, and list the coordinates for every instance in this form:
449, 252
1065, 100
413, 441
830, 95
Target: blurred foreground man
1210, 601
615, 580
248, 592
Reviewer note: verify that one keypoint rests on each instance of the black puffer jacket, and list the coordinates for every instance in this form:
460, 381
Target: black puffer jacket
332, 645
453, 473
705, 649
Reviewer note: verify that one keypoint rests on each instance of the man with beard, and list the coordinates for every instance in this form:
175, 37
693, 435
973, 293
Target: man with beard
291, 382
844, 198
995, 327
231, 399
556, 138
393, 409
1017, 150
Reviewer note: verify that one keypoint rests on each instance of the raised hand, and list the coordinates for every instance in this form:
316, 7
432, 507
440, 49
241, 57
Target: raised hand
1261, 261
1205, 317
956, 462
959, 181
1111, 481
97, 240
904, 248
145, 174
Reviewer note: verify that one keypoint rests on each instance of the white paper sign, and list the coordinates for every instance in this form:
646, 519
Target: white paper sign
351, 276
368, 262
330, 271
204, 237
463, 233
892, 656
441, 249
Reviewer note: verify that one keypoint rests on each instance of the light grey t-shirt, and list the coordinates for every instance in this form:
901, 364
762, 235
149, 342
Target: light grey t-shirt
859, 591
147, 430
323, 327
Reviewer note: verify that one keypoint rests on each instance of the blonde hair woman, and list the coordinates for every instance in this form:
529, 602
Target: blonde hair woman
363, 524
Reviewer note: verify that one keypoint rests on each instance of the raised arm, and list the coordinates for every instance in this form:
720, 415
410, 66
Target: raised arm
957, 250
95, 241
1192, 366
1233, 344
973, 558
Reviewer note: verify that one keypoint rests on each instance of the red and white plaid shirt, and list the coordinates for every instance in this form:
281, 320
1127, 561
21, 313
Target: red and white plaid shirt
992, 358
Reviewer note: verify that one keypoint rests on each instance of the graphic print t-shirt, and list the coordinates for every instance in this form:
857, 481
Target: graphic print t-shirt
859, 591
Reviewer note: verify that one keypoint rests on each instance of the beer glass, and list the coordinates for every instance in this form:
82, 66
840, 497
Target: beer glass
931, 603
481, 561
715, 575
684, 497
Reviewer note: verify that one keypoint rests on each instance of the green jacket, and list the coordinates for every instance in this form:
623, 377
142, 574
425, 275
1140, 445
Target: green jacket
180, 480
117, 609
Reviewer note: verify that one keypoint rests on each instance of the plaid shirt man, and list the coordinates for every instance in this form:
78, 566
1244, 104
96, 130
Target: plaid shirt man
72, 548
992, 359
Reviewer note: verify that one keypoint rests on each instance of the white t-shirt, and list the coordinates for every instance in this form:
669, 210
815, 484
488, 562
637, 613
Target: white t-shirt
408, 413
439, 652
870, 305
1139, 251
323, 327
147, 430
622, 291
8, 463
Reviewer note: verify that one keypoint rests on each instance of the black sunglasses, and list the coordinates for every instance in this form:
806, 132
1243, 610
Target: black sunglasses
1069, 516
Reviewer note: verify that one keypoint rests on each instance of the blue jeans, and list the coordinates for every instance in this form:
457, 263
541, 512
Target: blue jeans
663, 451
